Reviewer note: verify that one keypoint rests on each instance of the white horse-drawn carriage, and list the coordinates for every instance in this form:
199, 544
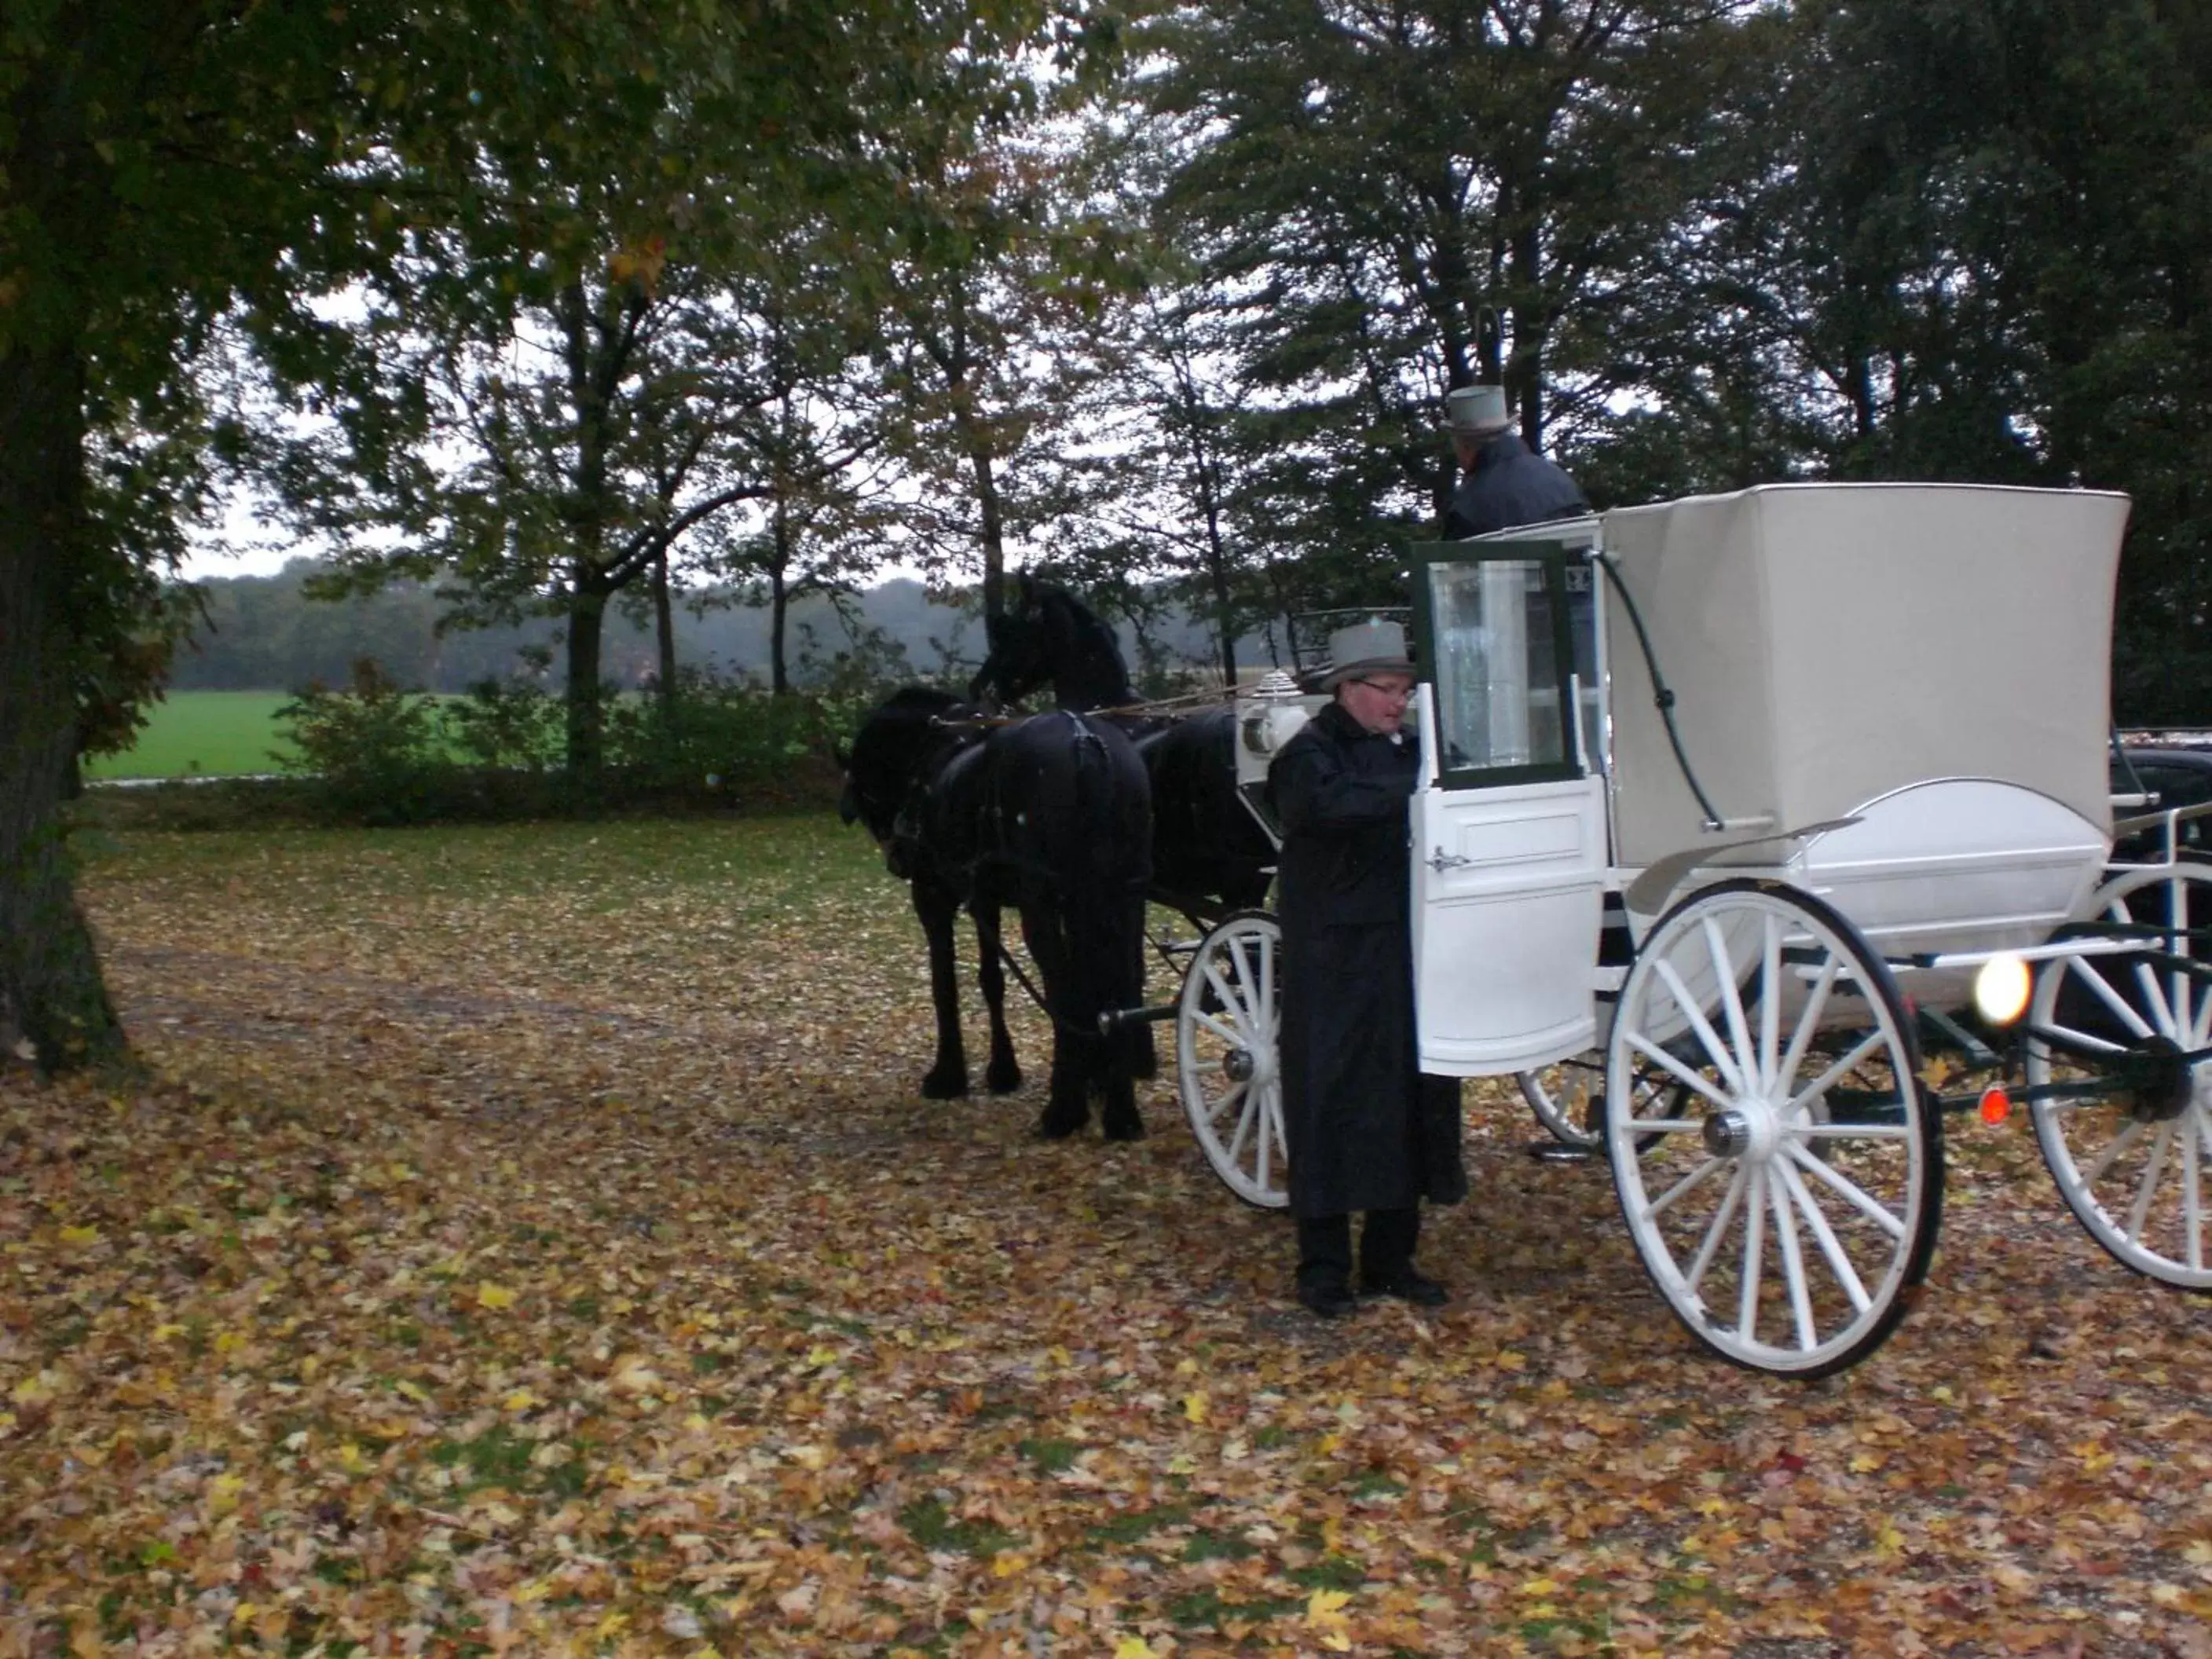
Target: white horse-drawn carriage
1732, 803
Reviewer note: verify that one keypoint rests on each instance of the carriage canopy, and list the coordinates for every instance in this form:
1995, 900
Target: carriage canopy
1830, 643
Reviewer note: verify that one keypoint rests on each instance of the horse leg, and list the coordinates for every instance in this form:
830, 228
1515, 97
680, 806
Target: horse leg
1129, 1053
1068, 1106
1003, 1074
1138, 1049
946, 1079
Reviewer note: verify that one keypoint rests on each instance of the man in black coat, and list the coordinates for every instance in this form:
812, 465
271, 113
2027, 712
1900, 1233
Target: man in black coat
1366, 1130
1507, 484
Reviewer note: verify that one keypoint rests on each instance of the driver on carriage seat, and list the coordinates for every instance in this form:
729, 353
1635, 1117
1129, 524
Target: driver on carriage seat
1507, 484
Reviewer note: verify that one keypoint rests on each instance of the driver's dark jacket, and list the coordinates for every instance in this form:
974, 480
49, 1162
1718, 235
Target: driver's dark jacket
1509, 485
1365, 1132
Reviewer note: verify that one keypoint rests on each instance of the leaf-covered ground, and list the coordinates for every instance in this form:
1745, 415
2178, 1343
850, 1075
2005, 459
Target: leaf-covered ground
530, 1241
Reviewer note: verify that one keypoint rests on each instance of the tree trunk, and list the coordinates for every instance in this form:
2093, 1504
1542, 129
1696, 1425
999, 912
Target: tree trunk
1217, 550
54, 1005
588, 615
664, 621
994, 543
779, 602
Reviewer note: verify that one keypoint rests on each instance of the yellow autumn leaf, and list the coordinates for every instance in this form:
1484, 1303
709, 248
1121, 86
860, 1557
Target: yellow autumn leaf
1134, 1647
1541, 1587
520, 1400
2198, 1553
1006, 1564
1325, 1608
1194, 1407
489, 1295
77, 1237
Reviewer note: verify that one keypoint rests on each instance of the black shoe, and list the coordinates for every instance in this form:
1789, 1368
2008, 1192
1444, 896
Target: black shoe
1327, 1301
1407, 1285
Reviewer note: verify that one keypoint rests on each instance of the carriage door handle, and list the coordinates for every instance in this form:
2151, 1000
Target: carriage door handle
1440, 860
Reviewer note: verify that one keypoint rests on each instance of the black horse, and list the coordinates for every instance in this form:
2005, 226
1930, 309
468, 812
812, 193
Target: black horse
1051, 815
1209, 854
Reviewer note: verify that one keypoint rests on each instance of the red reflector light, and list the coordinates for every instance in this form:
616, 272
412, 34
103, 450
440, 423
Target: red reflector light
1996, 1104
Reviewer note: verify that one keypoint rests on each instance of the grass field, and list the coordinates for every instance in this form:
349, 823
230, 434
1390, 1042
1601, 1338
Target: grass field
215, 734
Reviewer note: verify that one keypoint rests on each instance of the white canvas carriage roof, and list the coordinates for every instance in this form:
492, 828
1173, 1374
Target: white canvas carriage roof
1830, 643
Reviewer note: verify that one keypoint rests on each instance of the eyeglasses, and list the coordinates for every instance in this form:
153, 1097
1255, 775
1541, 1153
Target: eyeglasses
1396, 693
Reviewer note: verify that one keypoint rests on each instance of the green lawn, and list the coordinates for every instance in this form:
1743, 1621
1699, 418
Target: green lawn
202, 734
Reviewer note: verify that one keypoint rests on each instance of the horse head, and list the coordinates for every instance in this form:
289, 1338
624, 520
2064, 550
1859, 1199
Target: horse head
898, 747
1021, 641
1046, 635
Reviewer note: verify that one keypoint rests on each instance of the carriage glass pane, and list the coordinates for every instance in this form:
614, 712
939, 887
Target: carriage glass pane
1498, 676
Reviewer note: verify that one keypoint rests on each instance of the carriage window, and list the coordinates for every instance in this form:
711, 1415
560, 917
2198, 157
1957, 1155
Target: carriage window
1498, 674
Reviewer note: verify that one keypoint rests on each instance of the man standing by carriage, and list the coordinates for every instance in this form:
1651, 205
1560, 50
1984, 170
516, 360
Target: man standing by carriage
1366, 1130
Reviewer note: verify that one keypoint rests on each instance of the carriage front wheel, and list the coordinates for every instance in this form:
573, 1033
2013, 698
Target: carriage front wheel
1777, 1165
1227, 1048
2120, 1081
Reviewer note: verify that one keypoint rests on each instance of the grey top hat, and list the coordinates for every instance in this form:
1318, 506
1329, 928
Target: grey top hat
1476, 410
1374, 647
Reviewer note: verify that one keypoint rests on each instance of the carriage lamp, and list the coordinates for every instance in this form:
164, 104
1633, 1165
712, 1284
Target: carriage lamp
2001, 989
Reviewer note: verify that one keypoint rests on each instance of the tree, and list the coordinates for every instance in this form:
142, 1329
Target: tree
155, 160
1377, 180
168, 166
1959, 240
1003, 272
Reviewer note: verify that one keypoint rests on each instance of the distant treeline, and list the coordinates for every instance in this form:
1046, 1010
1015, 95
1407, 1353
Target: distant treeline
264, 633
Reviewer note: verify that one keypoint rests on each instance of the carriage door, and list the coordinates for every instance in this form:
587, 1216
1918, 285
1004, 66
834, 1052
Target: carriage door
1509, 847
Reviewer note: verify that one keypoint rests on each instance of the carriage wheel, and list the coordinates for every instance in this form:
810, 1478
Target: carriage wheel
1568, 1098
1785, 1191
2128, 1134
1226, 1051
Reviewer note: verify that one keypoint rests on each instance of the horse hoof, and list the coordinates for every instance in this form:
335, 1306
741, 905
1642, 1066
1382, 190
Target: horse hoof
1003, 1082
1131, 1129
934, 1087
1056, 1129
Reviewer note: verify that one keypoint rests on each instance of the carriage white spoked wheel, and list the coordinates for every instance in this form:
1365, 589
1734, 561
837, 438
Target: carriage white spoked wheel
1785, 1193
2120, 1043
1568, 1098
1226, 1052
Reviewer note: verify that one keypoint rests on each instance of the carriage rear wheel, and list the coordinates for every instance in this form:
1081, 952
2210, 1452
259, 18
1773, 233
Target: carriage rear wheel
2121, 1043
1226, 1055
1779, 1167
1568, 1098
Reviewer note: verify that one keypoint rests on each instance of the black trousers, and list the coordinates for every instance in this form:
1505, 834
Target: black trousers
1386, 1241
